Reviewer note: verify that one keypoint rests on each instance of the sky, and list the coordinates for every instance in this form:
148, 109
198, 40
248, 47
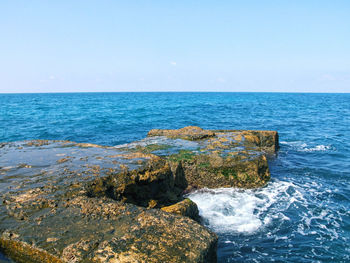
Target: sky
230, 46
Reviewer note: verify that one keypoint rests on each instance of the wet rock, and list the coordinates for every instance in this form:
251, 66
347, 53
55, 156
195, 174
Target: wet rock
92, 207
187, 133
185, 208
152, 183
266, 140
222, 158
103, 230
71, 202
214, 171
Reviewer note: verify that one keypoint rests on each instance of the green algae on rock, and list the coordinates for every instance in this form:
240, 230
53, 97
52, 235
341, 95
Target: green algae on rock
92, 207
77, 202
219, 158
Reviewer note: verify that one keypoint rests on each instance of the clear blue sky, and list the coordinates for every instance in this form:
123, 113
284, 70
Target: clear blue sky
66, 46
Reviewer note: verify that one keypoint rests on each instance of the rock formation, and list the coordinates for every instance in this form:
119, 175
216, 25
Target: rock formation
76, 202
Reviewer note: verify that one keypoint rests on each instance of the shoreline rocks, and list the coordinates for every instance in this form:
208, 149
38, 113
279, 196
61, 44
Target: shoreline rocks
103, 230
76, 202
220, 158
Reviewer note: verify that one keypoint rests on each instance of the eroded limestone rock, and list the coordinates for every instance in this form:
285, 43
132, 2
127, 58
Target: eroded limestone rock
212, 159
103, 230
188, 133
185, 208
77, 202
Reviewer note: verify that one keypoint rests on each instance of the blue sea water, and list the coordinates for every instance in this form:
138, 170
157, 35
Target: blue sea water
302, 215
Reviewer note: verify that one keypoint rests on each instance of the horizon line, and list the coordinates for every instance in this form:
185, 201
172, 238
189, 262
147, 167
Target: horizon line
76, 92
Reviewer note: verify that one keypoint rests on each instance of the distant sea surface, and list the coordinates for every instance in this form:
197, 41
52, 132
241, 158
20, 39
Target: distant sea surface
302, 215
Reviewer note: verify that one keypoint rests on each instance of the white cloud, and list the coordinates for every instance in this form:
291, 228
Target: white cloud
328, 77
221, 80
173, 63
49, 78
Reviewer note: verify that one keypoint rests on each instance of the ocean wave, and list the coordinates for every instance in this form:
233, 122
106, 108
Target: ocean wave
245, 211
304, 147
268, 210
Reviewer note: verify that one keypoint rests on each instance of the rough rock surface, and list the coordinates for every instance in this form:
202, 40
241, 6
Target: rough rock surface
185, 208
188, 133
218, 158
102, 230
77, 202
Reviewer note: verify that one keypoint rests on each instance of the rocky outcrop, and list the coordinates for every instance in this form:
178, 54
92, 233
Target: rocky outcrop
72, 202
265, 140
219, 158
68, 202
188, 133
86, 229
185, 208
215, 171
151, 185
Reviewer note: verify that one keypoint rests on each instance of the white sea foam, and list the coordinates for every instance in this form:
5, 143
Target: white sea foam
317, 148
304, 147
244, 211
303, 207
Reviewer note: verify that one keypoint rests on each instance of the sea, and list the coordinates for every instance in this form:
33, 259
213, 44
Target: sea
301, 215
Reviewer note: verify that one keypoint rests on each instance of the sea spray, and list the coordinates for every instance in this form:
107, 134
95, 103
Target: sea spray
245, 211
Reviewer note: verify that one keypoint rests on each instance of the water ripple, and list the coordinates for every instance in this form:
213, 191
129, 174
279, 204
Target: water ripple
302, 215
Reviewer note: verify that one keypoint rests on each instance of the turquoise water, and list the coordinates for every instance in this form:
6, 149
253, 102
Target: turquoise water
302, 215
